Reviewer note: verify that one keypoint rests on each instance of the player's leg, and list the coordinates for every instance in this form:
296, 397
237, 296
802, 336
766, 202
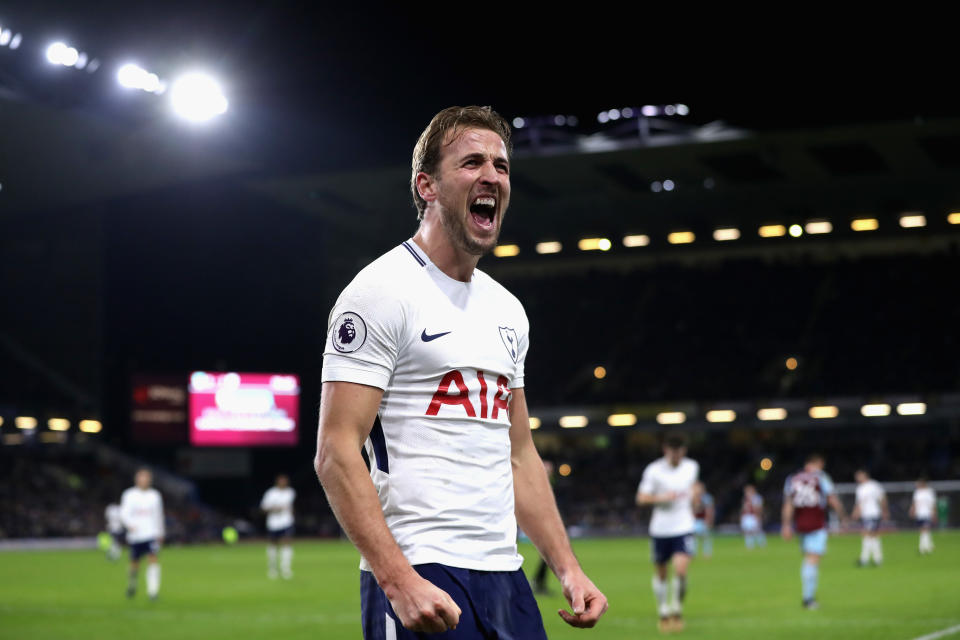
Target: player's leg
707, 543
153, 572
286, 554
132, 575
814, 545
661, 551
866, 548
678, 588
926, 538
272, 553
877, 548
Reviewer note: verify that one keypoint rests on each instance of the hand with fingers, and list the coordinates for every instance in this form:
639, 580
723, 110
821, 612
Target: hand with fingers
424, 607
587, 602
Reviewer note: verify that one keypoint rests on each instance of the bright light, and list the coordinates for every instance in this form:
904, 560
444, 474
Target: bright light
1, 421
772, 413
573, 422
132, 76
766, 464
953, 218
564, 469
621, 420
796, 231
599, 373
559, 120
90, 426
594, 244
912, 408
874, 410
911, 220
791, 363
518, 123
671, 417
681, 237
59, 53
197, 97
824, 411
722, 235
721, 415
636, 241
649, 110
5, 36
668, 185
15, 43
58, 424
865, 224
669, 110
772, 231
602, 117
534, 423
549, 247
656, 186
506, 250
817, 226
682, 110
626, 112
25, 422
614, 114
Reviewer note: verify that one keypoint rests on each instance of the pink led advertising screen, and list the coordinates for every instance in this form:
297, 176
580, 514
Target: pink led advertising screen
243, 409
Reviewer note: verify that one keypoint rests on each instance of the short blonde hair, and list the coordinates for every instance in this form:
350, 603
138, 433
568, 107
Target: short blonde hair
428, 150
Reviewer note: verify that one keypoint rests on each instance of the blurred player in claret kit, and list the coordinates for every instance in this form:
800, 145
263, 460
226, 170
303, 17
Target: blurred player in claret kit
806, 496
923, 509
277, 503
667, 485
871, 508
424, 370
751, 518
704, 513
141, 510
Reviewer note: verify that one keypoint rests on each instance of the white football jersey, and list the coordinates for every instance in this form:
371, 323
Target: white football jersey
674, 518
870, 499
447, 354
142, 513
281, 499
112, 516
924, 501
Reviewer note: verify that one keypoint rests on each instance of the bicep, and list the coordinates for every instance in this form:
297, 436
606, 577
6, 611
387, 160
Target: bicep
347, 413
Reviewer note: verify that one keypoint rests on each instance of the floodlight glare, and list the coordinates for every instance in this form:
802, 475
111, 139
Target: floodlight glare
60, 53
5, 36
132, 76
197, 97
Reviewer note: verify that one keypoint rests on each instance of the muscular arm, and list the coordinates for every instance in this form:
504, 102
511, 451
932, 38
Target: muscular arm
347, 414
837, 506
786, 518
537, 515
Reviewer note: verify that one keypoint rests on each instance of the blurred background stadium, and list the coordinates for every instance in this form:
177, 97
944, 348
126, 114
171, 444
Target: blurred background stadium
765, 260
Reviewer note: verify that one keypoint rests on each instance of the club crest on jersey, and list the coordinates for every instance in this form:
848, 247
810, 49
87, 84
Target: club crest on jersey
511, 342
349, 332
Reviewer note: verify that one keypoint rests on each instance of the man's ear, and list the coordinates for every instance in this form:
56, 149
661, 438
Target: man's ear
426, 186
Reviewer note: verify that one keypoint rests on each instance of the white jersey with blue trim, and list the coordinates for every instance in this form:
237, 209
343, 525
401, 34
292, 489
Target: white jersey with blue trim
142, 513
446, 354
924, 503
278, 503
673, 518
870, 497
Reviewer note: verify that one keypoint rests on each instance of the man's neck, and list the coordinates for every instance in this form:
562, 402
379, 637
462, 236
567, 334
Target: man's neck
454, 262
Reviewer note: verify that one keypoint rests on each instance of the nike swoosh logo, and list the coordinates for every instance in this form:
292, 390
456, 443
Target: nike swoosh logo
427, 338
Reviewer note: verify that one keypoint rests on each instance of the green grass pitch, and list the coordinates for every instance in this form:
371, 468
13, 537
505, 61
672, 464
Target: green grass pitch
212, 592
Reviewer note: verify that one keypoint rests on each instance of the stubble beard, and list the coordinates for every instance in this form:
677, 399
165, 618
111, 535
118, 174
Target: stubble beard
456, 230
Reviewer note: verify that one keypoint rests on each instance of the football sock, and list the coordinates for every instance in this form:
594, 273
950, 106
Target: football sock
660, 593
877, 551
271, 558
865, 550
678, 591
286, 559
707, 545
809, 573
132, 580
153, 580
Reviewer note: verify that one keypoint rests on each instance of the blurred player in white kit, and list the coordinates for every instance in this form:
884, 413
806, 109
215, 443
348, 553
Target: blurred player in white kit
871, 508
667, 485
923, 510
115, 528
141, 511
277, 502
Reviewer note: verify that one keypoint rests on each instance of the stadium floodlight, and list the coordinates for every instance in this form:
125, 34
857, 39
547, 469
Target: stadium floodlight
603, 117
549, 247
668, 185
912, 408
824, 411
772, 231
564, 470
681, 237
15, 42
913, 220
1, 421
953, 218
621, 419
132, 76
5, 37
25, 422
594, 244
573, 422
600, 372
766, 464
534, 422
91, 426
818, 226
671, 417
795, 231
656, 186
613, 114
792, 363
649, 110
519, 123
58, 424
636, 240
683, 110
875, 410
60, 53
197, 97
506, 250
726, 234
670, 110
626, 112
865, 224
772, 413
721, 415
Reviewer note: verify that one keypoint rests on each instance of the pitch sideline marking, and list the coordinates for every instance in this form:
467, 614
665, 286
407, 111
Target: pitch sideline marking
940, 634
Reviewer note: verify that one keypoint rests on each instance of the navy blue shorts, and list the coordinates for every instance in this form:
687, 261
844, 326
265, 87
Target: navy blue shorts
276, 534
662, 549
140, 549
494, 605
871, 524
924, 523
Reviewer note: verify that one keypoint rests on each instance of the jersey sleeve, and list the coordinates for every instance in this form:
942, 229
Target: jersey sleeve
265, 500
524, 343
161, 528
826, 485
648, 483
363, 335
786, 486
125, 507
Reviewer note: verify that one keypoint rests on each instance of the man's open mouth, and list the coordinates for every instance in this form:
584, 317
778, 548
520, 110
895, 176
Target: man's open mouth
484, 211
